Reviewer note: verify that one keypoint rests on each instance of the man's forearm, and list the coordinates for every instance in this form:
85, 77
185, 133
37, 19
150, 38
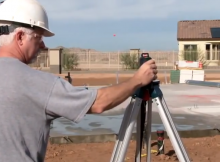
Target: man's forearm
109, 97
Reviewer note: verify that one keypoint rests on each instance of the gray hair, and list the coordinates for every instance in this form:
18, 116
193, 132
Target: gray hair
7, 39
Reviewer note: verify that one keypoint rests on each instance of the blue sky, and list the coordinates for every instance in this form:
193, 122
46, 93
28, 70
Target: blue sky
145, 24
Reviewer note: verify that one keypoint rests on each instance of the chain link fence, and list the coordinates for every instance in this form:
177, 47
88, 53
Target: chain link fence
42, 60
121, 60
114, 60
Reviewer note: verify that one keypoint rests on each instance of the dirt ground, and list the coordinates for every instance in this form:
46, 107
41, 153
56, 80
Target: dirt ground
198, 149
108, 79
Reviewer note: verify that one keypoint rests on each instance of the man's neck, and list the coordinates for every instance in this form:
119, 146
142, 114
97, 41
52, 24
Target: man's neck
13, 52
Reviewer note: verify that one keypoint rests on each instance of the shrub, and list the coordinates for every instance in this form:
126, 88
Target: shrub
129, 61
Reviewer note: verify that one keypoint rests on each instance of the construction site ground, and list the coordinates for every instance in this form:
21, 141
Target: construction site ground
205, 149
96, 79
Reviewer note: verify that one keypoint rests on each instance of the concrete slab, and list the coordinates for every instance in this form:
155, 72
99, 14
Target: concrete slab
192, 108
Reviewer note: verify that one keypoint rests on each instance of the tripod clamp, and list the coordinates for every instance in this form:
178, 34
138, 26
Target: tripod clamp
150, 91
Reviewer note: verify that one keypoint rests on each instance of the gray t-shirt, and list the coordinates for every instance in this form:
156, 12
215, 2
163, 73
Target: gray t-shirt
29, 100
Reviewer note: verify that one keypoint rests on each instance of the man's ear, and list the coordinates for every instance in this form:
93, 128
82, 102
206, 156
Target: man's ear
19, 37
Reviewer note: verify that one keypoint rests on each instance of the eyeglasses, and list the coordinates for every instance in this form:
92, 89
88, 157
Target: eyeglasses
39, 37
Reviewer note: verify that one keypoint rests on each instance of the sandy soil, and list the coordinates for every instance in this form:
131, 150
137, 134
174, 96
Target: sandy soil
199, 150
108, 79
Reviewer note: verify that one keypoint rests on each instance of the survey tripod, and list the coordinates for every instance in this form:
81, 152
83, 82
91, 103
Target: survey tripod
135, 113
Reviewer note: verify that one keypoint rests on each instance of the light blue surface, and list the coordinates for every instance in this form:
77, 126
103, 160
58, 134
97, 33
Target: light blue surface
187, 104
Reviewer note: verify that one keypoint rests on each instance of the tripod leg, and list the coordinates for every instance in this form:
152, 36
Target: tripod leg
121, 134
140, 129
171, 129
138, 139
129, 129
149, 123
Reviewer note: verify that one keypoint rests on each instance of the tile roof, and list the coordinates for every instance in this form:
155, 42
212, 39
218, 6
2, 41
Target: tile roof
196, 29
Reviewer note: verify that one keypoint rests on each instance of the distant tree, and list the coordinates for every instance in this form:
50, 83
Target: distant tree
129, 61
125, 59
70, 61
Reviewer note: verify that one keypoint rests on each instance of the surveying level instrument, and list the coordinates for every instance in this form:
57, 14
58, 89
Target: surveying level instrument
135, 113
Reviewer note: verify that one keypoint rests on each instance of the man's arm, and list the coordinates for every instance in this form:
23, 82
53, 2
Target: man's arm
73, 103
109, 97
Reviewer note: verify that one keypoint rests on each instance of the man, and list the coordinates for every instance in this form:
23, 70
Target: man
31, 99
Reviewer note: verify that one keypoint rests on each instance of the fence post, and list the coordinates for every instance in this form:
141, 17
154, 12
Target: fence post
89, 59
48, 58
165, 75
109, 57
118, 60
117, 78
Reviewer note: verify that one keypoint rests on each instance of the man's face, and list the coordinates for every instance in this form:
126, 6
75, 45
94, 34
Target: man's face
32, 45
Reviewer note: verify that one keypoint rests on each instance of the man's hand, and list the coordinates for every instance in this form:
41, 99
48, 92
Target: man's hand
146, 73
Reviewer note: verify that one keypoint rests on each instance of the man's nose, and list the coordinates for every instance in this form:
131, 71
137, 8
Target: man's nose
42, 45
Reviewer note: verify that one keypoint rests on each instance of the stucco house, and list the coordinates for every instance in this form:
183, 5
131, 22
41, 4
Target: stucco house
202, 36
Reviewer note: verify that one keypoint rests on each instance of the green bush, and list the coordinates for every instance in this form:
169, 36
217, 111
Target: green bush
129, 61
70, 61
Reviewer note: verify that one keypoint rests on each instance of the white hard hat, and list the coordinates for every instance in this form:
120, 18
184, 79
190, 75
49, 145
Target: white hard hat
25, 12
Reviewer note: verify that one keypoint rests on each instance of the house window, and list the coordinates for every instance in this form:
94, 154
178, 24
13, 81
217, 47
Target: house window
215, 32
190, 52
208, 57
215, 51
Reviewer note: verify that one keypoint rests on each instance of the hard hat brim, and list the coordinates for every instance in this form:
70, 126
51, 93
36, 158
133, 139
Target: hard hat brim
48, 33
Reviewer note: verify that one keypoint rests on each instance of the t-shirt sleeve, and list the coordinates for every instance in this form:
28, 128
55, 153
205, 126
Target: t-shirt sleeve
68, 101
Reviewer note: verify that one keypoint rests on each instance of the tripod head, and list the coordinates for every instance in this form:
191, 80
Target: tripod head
141, 92
144, 58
